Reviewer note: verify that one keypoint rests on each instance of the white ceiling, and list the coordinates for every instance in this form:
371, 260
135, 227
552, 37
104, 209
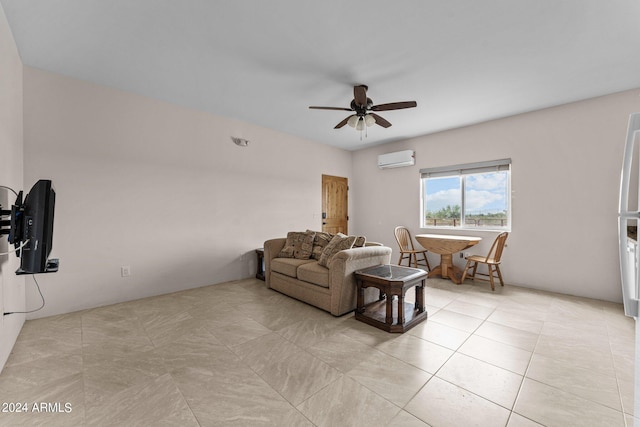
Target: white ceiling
265, 62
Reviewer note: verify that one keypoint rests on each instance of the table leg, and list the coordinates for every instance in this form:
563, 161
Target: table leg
360, 296
447, 270
389, 317
401, 308
420, 297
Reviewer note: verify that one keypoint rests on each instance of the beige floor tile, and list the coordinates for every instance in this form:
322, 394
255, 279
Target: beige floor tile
553, 407
298, 376
117, 337
236, 397
405, 419
487, 299
516, 320
155, 402
308, 332
440, 403
367, 334
66, 396
265, 350
389, 377
105, 375
456, 320
470, 309
495, 384
582, 354
40, 338
347, 403
582, 382
440, 334
506, 335
577, 330
511, 358
238, 332
516, 420
627, 394
341, 352
40, 372
417, 352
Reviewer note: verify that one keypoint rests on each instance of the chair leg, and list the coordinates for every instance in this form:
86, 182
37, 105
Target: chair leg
426, 261
473, 272
400, 259
464, 273
493, 287
499, 275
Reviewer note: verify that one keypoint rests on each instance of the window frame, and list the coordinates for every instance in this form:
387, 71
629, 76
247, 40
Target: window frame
462, 171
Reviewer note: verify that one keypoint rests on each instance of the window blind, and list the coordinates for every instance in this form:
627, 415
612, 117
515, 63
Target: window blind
466, 169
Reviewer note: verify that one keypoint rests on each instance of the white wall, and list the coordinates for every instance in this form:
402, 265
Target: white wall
161, 189
565, 178
12, 296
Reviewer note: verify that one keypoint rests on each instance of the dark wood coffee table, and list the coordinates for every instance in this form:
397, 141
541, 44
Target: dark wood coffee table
392, 281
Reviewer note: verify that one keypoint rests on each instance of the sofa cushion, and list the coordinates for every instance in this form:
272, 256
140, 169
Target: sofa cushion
299, 245
314, 273
360, 242
288, 266
321, 240
339, 243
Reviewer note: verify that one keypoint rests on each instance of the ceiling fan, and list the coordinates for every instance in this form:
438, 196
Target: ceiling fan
363, 108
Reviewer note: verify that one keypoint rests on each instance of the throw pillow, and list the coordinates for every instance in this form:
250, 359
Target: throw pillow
321, 240
298, 245
360, 241
339, 243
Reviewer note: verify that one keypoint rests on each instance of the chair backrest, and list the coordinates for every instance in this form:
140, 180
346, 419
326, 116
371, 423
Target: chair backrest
403, 237
495, 253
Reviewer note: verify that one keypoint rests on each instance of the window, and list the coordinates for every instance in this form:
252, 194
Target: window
471, 196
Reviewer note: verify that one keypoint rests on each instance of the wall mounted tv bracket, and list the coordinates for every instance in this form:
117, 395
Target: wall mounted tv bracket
12, 227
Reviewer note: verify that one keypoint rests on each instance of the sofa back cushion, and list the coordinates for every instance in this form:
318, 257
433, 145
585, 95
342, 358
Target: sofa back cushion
339, 243
299, 245
321, 240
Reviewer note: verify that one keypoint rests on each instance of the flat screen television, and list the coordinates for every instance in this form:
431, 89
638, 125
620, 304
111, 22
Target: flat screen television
32, 229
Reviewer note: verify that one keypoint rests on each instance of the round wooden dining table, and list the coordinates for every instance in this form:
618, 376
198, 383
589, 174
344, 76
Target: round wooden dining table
446, 245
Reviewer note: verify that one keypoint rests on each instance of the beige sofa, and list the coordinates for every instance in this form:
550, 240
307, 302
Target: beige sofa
331, 288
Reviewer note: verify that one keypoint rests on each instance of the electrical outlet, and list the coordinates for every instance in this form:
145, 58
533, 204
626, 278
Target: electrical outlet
125, 271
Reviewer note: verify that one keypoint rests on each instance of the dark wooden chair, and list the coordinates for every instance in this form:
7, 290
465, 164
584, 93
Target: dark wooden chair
492, 260
408, 251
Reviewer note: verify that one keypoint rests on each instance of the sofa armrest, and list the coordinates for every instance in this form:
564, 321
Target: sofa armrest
271, 249
342, 281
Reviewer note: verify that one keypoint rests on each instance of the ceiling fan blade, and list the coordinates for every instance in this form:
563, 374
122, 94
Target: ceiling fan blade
360, 95
331, 108
342, 123
394, 106
380, 120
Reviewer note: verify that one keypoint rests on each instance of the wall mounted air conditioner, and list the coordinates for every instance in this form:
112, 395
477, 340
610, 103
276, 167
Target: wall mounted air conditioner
397, 159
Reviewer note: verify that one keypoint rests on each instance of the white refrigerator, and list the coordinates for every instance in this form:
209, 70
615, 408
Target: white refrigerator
628, 219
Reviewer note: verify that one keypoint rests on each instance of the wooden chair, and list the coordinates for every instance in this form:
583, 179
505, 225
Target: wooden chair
492, 260
408, 251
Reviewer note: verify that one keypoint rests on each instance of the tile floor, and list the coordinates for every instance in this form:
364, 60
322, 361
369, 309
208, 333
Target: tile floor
240, 354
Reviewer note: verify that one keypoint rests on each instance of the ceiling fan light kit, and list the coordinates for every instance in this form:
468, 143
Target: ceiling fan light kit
363, 107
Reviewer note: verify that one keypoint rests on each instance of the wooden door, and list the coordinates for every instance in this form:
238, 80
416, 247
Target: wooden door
335, 201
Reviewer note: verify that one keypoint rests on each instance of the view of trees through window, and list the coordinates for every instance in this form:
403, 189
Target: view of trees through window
468, 201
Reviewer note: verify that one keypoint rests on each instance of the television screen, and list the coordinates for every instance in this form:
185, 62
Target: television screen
36, 223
